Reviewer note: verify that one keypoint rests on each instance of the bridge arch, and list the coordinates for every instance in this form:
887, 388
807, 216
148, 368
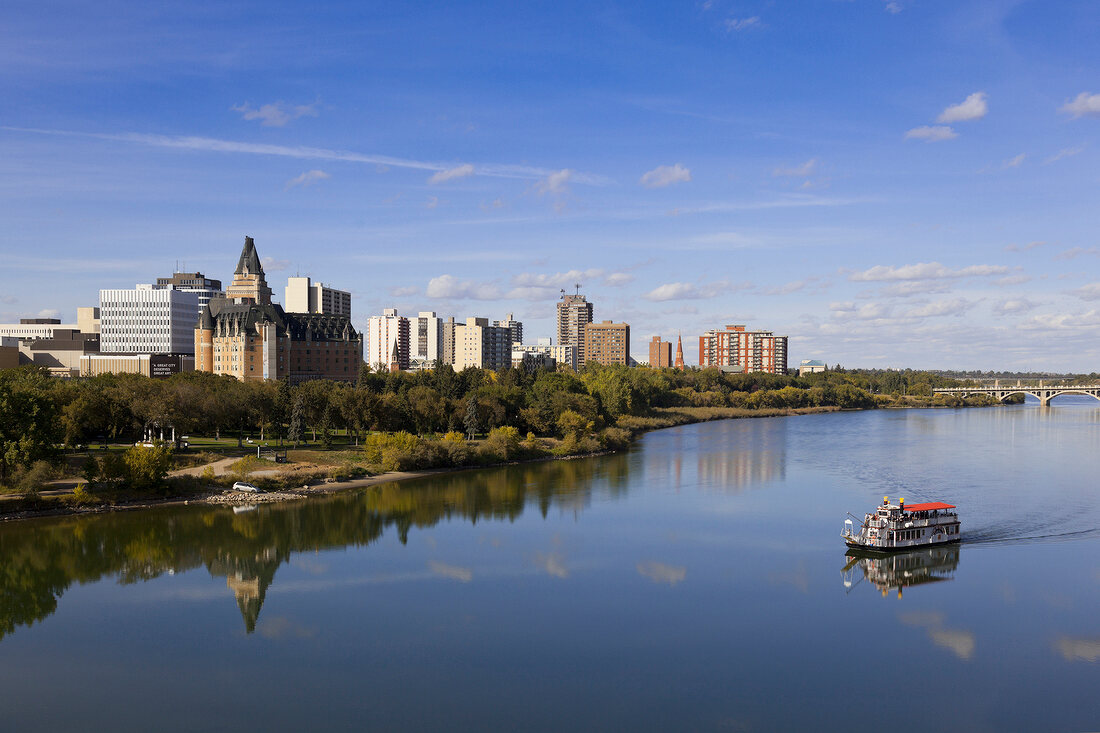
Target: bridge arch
1060, 392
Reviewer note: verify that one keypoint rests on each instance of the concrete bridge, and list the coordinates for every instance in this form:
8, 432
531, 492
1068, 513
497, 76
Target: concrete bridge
1043, 393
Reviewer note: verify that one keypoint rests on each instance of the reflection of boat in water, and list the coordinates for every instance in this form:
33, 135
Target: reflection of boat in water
898, 570
893, 527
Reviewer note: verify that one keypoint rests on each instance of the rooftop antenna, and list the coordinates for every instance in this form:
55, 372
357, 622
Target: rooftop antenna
563, 293
578, 286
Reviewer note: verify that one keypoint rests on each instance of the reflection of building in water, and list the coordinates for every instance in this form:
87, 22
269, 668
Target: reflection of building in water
249, 579
755, 458
903, 569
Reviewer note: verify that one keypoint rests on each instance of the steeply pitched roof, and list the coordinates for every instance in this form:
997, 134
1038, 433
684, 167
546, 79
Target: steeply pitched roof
249, 262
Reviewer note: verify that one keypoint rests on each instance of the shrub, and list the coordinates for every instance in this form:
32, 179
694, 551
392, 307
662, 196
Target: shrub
502, 443
31, 480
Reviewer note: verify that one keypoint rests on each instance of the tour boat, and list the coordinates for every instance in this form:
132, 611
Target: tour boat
893, 527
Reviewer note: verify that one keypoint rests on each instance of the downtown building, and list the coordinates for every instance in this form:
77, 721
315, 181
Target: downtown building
302, 295
387, 341
660, 353
733, 348
606, 343
574, 313
479, 344
247, 336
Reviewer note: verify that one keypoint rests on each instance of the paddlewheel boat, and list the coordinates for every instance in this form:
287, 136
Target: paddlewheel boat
893, 527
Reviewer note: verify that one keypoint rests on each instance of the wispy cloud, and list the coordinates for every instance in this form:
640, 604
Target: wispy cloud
924, 271
454, 572
275, 114
1064, 153
449, 286
894, 7
1014, 306
1013, 162
1024, 247
556, 182
306, 179
1084, 105
931, 133
270, 264
798, 171
1088, 292
973, 107
215, 145
1074, 252
741, 24
665, 175
451, 174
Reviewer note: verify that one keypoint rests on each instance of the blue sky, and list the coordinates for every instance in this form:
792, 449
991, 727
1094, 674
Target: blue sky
902, 183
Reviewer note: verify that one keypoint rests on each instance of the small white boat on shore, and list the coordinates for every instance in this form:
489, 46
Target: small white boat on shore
894, 527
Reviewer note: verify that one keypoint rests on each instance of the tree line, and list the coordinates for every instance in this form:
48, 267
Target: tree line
39, 415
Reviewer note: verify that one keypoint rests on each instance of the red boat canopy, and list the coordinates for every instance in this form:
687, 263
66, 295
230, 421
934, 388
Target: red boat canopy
928, 506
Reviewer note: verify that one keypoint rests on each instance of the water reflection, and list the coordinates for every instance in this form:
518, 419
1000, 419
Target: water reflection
896, 571
43, 558
727, 457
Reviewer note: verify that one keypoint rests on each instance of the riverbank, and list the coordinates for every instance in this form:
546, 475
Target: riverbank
63, 503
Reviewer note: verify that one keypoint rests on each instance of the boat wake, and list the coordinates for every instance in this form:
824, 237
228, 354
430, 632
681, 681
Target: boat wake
998, 536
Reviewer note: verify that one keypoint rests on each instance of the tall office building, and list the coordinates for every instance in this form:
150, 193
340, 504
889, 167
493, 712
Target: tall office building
426, 341
606, 343
574, 313
249, 284
305, 296
193, 282
660, 353
478, 344
735, 349
148, 319
386, 334
514, 326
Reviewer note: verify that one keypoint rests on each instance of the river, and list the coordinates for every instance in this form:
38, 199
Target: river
695, 582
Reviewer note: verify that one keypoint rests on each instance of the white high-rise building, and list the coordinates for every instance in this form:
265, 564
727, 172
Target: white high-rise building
425, 340
148, 319
387, 340
477, 344
305, 296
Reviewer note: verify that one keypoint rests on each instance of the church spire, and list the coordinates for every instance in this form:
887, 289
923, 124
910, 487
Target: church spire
679, 363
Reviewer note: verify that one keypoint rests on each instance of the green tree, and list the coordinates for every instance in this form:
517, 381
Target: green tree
470, 420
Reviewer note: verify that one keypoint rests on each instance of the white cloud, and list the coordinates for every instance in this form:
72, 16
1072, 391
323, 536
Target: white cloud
555, 280
665, 175
1088, 292
924, 271
949, 307
893, 8
1013, 306
552, 564
618, 279
1087, 321
275, 114
432, 202
270, 264
555, 183
404, 291
1013, 162
909, 288
450, 174
740, 24
1064, 153
799, 171
973, 107
49, 313
686, 291
659, 572
448, 286
931, 133
1013, 280
1084, 105
791, 287
306, 179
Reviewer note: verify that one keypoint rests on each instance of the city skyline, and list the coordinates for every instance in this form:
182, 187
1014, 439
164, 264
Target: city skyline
886, 183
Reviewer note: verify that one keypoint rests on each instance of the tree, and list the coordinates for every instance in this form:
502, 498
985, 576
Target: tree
297, 411
470, 421
30, 426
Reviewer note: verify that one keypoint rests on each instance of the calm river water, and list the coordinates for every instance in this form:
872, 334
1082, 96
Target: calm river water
697, 582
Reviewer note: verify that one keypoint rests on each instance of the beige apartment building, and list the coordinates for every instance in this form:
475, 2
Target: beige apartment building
660, 353
478, 344
606, 343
